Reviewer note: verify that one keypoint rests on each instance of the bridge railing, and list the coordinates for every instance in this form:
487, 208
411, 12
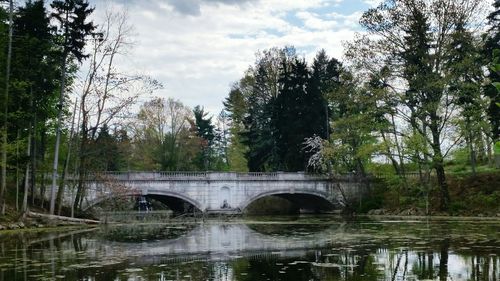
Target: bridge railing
220, 176
159, 176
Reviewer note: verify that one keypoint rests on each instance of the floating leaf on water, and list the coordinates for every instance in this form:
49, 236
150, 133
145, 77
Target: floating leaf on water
132, 270
77, 266
325, 264
297, 262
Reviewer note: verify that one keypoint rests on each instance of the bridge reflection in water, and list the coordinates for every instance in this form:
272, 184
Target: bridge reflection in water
258, 251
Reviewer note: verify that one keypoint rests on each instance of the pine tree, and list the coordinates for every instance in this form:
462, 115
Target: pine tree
492, 42
259, 133
466, 76
34, 75
293, 116
205, 130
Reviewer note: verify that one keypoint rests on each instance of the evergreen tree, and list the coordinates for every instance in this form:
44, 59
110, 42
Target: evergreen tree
205, 130
493, 42
236, 107
325, 78
465, 74
35, 96
259, 134
294, 116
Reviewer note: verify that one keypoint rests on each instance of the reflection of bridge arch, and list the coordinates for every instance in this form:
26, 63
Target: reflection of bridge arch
223, 242
324, 203
173, 200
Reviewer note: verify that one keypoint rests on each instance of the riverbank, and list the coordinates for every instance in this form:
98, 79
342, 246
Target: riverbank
470, 196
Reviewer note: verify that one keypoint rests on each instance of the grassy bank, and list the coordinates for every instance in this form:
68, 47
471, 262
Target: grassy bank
471, 195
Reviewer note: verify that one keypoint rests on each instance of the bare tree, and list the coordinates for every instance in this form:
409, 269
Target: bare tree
162, 121
105, 91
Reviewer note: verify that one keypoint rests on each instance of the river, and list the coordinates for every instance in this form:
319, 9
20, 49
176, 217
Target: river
280, 248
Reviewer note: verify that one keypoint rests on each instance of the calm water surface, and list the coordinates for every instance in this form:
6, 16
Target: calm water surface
304, 248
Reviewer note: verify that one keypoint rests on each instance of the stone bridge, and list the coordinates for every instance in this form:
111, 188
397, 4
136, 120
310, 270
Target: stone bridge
224, 192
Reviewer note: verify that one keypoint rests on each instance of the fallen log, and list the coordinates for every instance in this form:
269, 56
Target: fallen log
62, 218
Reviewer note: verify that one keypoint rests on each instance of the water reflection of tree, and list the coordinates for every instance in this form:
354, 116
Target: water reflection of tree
348, 264
443, 259
270, 268
423, 268
484, 268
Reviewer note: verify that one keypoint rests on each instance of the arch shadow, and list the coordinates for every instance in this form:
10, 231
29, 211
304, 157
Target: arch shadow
178, 203
306, 201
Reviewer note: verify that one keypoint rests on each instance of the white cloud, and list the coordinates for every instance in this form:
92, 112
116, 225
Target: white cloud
372, 3
198, 51
313, 21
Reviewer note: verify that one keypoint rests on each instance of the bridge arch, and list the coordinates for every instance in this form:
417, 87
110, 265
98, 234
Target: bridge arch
175, 201
172, 199
295, 196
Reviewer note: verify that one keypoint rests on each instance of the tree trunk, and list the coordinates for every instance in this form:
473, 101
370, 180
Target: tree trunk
394, 163
26, 179
438, 163
82, 169
489, 151
60, 190
58, 137
400, 154
34, 167
3, 183
443, 260
17, 170
470, 145
43, 148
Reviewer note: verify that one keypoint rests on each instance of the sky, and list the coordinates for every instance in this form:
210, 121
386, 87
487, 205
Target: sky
198, 48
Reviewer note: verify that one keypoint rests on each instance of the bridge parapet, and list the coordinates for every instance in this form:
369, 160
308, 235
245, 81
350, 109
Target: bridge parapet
204, 176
